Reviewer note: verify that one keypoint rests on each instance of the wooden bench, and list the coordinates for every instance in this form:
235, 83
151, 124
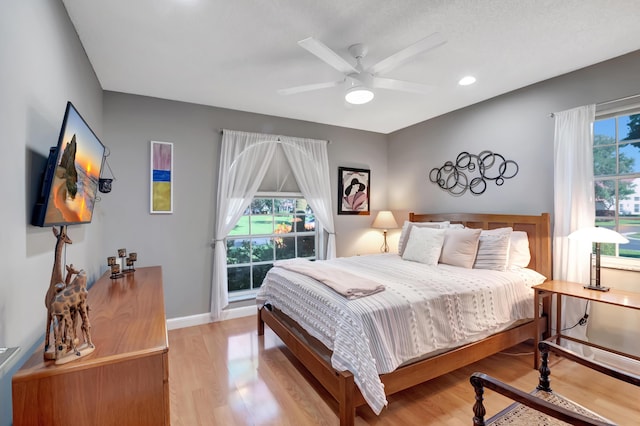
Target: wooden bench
529, 408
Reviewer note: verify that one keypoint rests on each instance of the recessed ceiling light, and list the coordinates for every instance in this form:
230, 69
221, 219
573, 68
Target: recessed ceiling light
465, 81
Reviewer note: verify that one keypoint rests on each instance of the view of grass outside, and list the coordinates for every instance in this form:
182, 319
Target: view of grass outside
271, 229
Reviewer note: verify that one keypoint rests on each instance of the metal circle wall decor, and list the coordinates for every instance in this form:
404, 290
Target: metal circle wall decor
471, 172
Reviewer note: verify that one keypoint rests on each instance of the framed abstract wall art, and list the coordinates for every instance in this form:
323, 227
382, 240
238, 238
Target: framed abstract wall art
161, 200
353, 191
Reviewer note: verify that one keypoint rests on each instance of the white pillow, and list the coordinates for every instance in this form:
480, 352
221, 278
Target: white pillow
460, 247
406, 230
493, 249
519, 254
497, 231
424, 245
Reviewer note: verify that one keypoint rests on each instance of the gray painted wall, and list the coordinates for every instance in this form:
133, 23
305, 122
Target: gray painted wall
180, 242
43, 66
516, 125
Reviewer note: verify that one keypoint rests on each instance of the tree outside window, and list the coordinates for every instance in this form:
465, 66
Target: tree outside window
616, 161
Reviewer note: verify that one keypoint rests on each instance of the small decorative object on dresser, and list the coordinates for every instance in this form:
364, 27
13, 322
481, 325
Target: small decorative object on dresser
121, 264
65, 300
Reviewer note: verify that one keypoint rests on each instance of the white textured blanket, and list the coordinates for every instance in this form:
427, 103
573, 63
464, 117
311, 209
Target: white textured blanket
346, 283
423, 309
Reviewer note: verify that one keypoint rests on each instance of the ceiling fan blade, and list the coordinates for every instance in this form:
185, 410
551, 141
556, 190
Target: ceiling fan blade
327, 55
309, 87
404, 86
429, 42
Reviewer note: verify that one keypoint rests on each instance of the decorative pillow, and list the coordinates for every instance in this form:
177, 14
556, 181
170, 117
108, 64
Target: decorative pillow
460, 247
497, 231
519, 254
493, 249
424, 245
406, 230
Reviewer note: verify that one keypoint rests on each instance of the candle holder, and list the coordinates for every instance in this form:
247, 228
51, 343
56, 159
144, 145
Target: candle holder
130, 261
122, 264
115, 271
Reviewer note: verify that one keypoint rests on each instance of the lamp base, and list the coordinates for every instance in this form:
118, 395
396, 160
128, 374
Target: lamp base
384, 248
596, 287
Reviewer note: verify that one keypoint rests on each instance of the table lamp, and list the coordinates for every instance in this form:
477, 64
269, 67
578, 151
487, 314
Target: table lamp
597, 235
385, 221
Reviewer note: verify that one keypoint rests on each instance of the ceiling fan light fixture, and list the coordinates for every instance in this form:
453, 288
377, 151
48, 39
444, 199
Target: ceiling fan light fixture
358, 95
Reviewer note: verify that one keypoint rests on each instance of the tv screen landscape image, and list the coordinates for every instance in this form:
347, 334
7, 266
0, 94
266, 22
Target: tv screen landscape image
70, 182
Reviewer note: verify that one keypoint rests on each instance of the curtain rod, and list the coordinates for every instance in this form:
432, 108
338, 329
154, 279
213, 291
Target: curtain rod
611, 101
278, 136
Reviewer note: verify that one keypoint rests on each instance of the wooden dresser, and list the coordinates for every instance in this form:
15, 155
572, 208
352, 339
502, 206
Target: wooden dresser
125, 381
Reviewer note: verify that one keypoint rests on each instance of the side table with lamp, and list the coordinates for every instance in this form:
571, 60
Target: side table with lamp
594, 291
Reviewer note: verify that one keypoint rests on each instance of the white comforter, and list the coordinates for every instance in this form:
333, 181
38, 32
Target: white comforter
423, 309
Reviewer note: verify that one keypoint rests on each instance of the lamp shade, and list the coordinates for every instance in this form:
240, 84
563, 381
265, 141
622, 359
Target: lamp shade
597, 234
384, 220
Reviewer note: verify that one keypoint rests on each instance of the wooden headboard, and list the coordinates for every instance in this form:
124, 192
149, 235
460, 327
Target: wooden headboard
538, 229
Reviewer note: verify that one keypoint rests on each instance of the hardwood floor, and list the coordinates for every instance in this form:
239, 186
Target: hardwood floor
223, 374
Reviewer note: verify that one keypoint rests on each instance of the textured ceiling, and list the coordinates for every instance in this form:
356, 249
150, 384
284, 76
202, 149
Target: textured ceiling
237, 54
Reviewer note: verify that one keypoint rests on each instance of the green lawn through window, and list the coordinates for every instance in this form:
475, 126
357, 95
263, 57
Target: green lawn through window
260, 224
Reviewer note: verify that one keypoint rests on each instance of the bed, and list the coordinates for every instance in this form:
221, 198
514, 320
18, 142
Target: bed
350, 386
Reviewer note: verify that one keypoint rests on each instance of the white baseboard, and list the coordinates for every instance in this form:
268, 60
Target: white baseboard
190, 321
200, 319
244, 311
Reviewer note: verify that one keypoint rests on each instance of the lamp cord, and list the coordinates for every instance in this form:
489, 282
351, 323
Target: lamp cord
581, 321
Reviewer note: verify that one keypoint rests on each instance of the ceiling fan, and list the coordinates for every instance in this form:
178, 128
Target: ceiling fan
360, 80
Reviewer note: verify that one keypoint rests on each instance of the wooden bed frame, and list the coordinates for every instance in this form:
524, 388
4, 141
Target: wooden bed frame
340, 384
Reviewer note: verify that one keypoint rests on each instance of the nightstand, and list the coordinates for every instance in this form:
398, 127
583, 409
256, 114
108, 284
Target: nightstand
559, 288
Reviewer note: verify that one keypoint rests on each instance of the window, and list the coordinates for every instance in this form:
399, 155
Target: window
272, 228
616, 166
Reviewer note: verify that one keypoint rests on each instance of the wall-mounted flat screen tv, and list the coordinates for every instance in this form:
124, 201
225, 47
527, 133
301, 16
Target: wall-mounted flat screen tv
70, 181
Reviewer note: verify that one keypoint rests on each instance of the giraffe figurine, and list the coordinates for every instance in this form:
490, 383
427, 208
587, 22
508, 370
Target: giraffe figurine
65, 306
57, 282
71, 271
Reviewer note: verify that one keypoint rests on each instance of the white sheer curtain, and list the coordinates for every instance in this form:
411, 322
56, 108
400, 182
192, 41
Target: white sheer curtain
244, 160
310, 164
574, 205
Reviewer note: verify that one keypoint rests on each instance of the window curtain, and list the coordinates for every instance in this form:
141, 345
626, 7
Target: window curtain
244, 160
310, 164
574, 205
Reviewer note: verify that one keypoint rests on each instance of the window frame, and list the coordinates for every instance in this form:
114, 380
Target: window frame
247, 294
617, 261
